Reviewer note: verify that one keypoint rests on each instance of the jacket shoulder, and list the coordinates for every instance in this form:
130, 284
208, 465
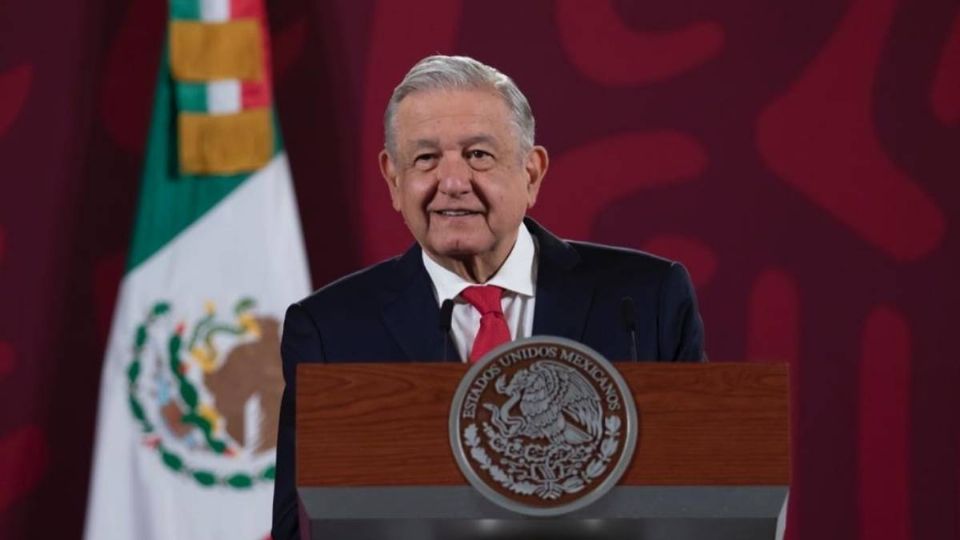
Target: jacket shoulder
612, 259
356, 291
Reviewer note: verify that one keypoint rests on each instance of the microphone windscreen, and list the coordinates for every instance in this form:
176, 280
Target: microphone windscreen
446, 313
628, 313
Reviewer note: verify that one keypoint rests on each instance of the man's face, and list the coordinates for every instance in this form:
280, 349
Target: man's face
459, 177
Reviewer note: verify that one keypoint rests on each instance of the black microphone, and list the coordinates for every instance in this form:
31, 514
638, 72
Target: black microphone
446, 314
628, 315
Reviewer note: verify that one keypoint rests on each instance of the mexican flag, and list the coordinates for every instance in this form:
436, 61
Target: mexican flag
191, 384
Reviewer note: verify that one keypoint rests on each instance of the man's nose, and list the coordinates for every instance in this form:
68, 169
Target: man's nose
454, 175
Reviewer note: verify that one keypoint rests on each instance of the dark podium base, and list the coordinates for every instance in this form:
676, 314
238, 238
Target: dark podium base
627, 512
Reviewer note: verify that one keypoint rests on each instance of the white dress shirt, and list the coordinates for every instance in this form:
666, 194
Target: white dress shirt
518, 279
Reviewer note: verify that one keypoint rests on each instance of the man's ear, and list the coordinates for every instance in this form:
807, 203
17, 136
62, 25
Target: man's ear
389, 171
536, 168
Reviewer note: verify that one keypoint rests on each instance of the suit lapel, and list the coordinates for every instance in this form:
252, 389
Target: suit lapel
564, 291
411, 314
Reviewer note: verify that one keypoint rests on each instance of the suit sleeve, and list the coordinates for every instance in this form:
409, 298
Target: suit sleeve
680, 328
300, 343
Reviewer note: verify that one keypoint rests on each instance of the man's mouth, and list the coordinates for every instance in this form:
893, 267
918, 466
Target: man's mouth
456, 213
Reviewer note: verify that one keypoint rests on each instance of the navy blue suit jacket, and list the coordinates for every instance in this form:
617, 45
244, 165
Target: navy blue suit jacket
388, 313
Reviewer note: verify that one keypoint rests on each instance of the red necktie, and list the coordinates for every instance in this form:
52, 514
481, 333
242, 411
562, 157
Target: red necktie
493, 327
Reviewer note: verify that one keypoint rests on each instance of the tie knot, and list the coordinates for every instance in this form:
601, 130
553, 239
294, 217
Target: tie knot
486, 298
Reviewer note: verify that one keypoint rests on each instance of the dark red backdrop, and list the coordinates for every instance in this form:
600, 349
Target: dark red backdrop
801, 159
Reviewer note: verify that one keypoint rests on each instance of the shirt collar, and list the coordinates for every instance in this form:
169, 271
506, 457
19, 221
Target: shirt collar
515, 275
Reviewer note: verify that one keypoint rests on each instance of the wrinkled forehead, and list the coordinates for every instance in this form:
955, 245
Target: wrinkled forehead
453, 112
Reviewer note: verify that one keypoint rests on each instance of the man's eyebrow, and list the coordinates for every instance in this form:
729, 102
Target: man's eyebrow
475, 139
425, 143
471, 140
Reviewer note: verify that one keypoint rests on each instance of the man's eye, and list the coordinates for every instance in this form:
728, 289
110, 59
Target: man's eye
424, 160
478, 154
480, 160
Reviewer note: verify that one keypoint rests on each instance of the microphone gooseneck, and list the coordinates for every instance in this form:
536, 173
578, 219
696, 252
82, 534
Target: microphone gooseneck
628, 315
446, 314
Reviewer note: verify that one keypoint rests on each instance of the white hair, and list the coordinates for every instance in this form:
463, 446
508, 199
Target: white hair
441, 72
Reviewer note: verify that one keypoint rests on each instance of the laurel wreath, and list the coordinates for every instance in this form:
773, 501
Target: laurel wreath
548, 490
190, 396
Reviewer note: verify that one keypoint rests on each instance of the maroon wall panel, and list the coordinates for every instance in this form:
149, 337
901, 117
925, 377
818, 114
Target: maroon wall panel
800, 158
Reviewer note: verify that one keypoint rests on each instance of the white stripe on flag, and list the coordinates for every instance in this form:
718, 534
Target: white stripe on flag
223, 97
215, 10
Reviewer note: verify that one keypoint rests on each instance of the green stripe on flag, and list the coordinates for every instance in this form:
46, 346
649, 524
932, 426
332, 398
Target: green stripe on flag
191, 97
185, 9
170, 202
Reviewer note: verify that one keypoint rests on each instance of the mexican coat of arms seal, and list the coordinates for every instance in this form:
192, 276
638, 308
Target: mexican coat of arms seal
543, 426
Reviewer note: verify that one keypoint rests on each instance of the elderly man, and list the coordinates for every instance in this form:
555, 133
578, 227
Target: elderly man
462, 169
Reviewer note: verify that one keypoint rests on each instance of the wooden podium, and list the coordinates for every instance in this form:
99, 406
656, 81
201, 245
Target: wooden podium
374, 458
